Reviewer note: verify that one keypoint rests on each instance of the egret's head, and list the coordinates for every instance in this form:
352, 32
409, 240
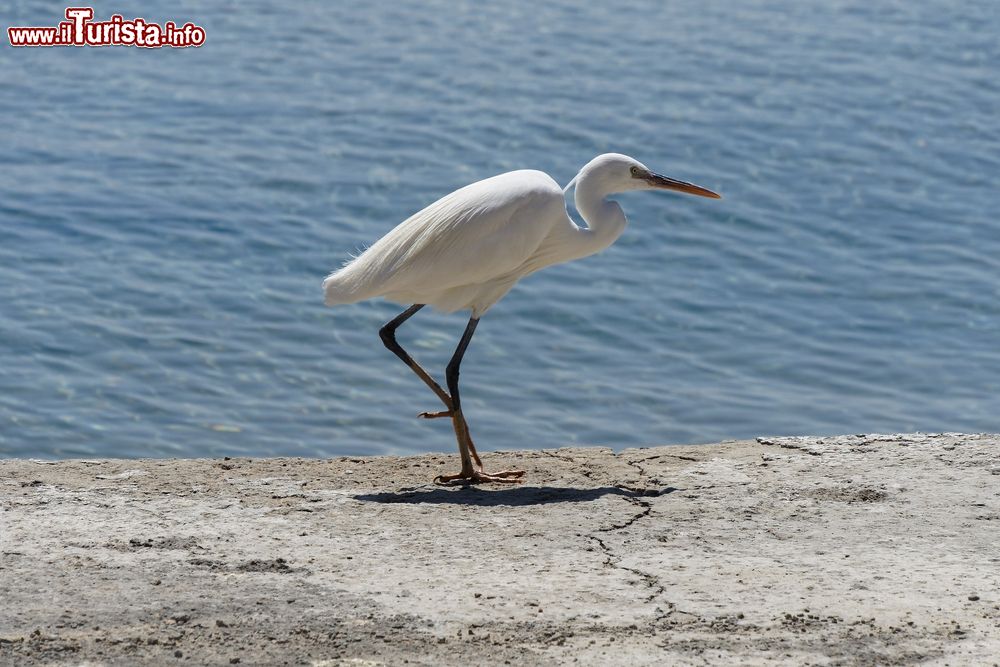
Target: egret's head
614, 172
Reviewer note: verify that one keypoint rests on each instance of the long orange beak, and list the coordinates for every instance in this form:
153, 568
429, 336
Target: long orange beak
667, 183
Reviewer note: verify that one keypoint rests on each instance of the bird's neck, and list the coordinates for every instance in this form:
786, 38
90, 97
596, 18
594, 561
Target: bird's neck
605, 219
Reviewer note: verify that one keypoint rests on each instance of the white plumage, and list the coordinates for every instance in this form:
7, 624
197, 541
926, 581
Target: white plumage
465, 250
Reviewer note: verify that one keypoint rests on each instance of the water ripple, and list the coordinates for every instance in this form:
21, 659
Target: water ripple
163, 235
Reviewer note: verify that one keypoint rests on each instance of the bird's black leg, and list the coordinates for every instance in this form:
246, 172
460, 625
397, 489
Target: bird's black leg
454, 366
388, 335
472, 466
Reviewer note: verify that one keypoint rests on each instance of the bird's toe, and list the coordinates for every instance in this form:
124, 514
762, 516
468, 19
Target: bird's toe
435, 415
480, 477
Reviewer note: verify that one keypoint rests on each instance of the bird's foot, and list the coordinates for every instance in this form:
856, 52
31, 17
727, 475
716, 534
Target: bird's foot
435, 415
477, 476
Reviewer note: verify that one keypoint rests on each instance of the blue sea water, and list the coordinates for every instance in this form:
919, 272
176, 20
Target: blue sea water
167, 217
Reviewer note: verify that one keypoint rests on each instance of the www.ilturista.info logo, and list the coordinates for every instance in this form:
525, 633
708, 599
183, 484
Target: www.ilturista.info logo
79, 30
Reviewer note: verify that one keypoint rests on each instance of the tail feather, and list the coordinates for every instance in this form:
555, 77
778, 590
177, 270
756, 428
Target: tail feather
355, 281
337, 289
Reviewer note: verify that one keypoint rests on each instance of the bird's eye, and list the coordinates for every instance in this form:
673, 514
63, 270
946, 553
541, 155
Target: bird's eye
634, 170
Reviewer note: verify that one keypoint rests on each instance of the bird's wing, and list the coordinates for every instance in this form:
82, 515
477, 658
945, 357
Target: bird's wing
480, 233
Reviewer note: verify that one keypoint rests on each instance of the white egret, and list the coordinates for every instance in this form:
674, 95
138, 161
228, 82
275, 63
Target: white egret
469, 248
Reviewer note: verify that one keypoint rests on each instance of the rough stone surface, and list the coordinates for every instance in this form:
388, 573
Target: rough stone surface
845, 550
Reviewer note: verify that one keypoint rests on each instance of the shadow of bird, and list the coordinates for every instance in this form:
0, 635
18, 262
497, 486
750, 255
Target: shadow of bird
509, 496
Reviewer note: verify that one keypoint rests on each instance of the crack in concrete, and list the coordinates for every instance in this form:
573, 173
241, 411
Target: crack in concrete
788, 445
558, 456
646, 506
579, 468
680, 457
650, 580
642, 471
